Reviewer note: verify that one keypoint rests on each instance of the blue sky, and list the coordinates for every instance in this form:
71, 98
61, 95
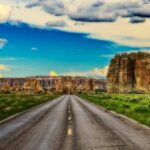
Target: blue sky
79, 45
33, 51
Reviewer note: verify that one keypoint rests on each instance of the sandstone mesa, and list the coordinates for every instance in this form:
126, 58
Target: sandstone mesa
129, 73
62, 84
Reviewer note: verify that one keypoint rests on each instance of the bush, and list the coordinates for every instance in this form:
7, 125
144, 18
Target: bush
125, 106
135, 100
141, 109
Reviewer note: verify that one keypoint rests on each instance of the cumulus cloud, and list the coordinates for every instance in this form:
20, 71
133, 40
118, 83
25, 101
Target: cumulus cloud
112, 20
34, 49
53, 73
2, 42
101, 72
143, 11
96, 72
56, 8
59, 23
94, 10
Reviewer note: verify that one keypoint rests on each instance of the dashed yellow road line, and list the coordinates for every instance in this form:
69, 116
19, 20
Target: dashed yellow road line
69, 118
69, 132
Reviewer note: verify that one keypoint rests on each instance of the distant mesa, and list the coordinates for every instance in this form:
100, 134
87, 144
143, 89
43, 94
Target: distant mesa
60, 84
129, 73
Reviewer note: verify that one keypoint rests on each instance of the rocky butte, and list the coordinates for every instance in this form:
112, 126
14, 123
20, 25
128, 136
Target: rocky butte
129, 73
60, 84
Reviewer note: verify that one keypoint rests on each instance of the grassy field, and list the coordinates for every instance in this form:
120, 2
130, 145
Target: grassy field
11, 103
136, 106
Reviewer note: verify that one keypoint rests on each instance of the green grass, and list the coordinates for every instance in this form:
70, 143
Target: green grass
136, 106
12, 103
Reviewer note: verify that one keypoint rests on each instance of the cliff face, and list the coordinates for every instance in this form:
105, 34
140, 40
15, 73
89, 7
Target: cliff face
51, 84
129, 72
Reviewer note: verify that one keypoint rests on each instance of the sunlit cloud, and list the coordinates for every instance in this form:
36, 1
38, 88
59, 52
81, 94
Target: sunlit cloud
101, 72
53, 73
96, 72
5, 12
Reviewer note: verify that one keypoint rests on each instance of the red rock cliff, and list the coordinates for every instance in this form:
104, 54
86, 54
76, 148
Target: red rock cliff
129, 73
56, 84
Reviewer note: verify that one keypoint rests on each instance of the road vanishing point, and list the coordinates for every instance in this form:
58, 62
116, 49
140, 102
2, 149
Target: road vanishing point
71, 123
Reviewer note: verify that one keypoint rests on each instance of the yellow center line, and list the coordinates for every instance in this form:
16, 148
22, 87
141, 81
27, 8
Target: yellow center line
69, 118
69, 132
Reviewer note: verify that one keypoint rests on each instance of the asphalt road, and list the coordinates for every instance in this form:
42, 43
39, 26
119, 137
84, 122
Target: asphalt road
70, 123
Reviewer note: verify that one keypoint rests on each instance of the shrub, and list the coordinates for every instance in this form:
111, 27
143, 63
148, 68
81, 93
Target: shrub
135, 100
141, 109
125, 106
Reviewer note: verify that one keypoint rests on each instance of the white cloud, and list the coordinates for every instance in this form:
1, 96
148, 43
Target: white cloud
120, 32
7, 58
96, 72
106, 56
93, 10
96, 15
101, 72
34, 49
2, 42
5, 12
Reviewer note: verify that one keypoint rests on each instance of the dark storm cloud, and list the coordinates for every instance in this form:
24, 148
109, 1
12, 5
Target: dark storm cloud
137, 20
89, 18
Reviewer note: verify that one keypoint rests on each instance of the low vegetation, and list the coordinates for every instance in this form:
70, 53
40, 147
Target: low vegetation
136, 106
12, 103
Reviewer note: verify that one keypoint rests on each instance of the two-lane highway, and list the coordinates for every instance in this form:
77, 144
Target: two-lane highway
70, 123
42, 128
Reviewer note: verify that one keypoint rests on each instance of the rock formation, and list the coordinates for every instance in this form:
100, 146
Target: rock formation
51, 84
129, 73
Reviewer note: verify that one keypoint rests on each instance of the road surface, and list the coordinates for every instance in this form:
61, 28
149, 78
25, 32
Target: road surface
70, 123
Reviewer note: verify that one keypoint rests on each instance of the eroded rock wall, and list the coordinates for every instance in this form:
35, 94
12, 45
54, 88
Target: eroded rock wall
51, 84
129, 73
